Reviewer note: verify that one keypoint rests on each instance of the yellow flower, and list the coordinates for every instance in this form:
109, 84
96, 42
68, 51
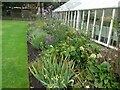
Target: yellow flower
45, 76
82, 48
93, 56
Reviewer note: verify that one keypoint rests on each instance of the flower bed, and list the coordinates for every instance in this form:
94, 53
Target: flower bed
67, 58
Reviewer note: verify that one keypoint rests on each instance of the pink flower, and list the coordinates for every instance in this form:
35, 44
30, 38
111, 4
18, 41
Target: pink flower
48, 39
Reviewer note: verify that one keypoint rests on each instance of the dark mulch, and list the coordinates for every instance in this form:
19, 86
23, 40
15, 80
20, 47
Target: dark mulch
32, 55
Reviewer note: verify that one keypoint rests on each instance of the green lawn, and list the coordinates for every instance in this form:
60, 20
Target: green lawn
0, 54
14, 54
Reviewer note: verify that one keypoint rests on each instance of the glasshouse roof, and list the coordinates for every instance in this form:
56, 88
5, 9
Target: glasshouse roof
88, 4
69, 5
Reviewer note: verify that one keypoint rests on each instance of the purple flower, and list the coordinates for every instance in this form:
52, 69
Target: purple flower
48, 39
32, 24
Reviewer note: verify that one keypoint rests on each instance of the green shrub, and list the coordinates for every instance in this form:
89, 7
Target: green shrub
103, 78
36, 37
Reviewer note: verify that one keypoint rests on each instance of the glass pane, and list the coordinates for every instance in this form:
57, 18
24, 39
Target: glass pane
76, 19
106, 25
80, 21
85, 21
90, 27
97, 24
114, 37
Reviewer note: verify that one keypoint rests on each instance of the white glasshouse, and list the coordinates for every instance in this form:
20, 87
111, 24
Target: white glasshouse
95, 17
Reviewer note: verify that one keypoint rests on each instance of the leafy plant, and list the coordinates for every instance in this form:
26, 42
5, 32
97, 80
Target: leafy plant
54, 74
36, 37
56, 29
102, 76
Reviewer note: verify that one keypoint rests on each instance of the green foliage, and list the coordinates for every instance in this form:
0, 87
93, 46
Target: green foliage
54, 74
91, 70
98, 76
36, 37
71, 49
56, 29
39, 31
102, 76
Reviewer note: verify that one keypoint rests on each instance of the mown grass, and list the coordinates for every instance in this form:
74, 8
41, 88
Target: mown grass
14, 54
0, 54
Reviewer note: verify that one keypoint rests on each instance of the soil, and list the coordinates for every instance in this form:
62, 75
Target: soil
32, 55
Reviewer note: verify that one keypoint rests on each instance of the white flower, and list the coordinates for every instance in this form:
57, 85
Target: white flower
93, 56
82, 48
72, 81
31, 87
109, 59
99, 55
116, 55
51, 46
45, 76
87, 87
52, 79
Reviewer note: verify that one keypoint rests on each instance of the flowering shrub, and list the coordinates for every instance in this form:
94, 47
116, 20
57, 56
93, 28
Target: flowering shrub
82, 48
49, 39
63, 44
36, 37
